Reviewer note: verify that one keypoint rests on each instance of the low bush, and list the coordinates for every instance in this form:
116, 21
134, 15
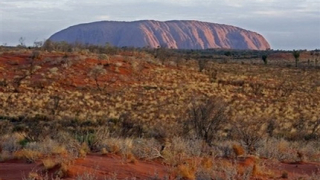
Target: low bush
26, 154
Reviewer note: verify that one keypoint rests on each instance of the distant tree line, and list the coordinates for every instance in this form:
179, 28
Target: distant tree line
163, 53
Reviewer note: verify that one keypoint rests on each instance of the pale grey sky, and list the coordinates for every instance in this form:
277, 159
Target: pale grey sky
286, 24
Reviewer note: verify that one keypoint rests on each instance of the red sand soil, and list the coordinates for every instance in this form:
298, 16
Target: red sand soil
119, 72
297, 169
14, 169
112, 165
115, 166
101, 166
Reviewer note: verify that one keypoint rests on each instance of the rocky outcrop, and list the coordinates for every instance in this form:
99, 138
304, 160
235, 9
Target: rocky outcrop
171, 34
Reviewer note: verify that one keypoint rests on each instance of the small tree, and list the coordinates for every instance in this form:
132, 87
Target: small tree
163, 53
249, 133
264, 59
316, 60
55, 104
207, 117
38, 44
48, 45
202, 64
95, 72
296, 55
25, 70
109, 49
212, 74
227, 53
21, 42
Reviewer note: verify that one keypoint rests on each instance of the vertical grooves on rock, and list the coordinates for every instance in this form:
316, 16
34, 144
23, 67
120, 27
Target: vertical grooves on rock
172, 34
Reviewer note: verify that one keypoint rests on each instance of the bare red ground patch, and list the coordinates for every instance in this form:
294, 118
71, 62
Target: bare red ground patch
110, 165
96, 165
14, 169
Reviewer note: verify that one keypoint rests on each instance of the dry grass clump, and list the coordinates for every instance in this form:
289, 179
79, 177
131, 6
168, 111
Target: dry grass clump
310, 151
126, 148
238, 170
84, 150
68, 141
130, 148
207, 162
104, 151
11, 142
130, 158
116, 145
180, 149
28, 155
49, 163
186, 171
146, 148
192, 146
86, 176
47, 147
59, 166
238, 150
230, 171
64, 171
5, 155
63, 145
36, 175
248, 166
224, 149
283, 150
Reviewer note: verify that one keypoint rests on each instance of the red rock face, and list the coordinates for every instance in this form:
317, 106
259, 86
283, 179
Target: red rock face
171, 34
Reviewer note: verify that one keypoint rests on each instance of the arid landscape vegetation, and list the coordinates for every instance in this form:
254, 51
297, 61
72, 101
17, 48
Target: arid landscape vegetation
102, 112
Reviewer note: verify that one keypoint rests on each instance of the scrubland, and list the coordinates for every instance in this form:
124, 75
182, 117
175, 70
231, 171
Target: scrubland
190, 117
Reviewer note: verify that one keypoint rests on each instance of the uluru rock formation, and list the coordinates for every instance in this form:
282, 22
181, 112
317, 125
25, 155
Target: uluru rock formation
171, 34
